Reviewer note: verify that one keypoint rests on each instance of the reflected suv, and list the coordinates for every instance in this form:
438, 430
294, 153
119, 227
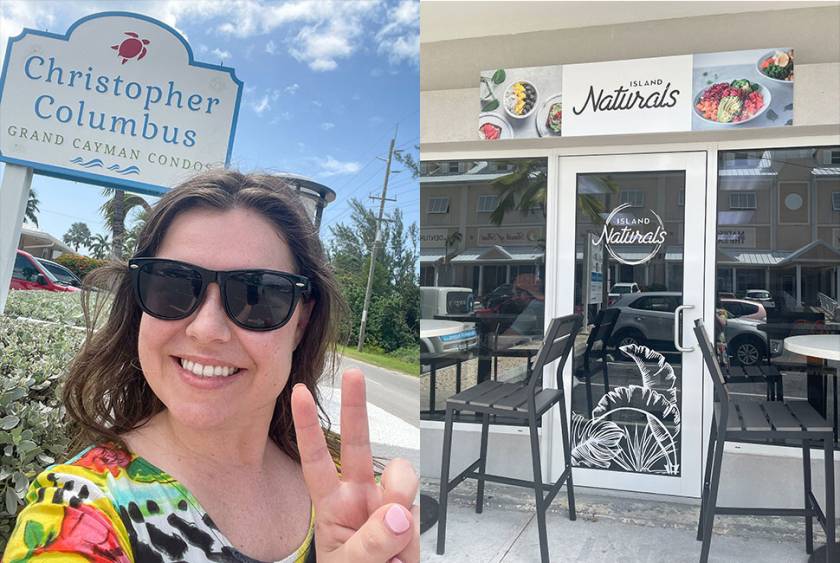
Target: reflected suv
648, 319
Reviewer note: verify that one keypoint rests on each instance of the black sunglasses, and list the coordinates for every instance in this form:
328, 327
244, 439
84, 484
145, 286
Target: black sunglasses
253, 299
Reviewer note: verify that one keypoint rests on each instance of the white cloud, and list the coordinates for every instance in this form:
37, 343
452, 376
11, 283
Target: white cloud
292, 88
301, 146
316, 103
17, 14
333, 167
399, 38
261, 106
326, 126
218, 53
270, 47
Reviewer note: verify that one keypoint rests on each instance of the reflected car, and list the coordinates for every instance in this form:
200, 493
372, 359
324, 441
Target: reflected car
622, 288
648, 319
762, 296
440, 337
445, 301
744, 309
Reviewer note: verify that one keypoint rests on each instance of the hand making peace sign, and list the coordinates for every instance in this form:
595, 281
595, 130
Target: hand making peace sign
356, 519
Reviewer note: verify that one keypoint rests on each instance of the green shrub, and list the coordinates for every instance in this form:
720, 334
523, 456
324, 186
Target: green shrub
33, 360
52, 306
80, 265
409, 354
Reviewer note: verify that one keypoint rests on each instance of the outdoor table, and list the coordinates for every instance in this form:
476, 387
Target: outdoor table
441, 360
818, 348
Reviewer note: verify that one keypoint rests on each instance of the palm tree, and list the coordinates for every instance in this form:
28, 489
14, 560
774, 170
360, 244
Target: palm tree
526, 188
31, 213
77, 235
100, 246
115, 210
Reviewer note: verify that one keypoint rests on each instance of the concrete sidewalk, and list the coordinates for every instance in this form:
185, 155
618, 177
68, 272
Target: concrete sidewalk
609, 529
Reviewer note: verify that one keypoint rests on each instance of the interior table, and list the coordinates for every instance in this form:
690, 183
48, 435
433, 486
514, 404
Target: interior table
818, 348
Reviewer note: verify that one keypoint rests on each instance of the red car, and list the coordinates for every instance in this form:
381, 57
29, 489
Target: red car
29, 274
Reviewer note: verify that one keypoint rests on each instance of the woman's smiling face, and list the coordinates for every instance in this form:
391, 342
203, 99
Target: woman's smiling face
220, 240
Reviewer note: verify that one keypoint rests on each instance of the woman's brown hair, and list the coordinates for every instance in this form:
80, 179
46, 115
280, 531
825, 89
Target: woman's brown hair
106, 394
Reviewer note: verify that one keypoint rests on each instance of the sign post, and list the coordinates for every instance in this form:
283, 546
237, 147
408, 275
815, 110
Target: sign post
14, 193
118, 101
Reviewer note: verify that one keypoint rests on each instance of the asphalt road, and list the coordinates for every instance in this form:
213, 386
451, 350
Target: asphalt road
393, 392
393, 410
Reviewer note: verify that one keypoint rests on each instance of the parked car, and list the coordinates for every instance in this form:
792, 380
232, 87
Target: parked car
437, 301
744, 309
62, 274
28, 273
648, 319
439, 336
621, 288
762, 296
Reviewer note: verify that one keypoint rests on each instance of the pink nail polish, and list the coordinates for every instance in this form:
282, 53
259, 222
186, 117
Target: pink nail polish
396, 521
395, 560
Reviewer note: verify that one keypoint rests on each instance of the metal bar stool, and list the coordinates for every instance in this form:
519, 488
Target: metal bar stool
515, 400
769, 421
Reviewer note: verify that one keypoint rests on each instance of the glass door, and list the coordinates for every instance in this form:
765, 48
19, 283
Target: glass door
634, 386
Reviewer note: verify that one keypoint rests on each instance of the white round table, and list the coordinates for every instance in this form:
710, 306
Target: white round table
825, 346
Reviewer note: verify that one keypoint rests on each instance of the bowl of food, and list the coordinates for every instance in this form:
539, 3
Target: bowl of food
549, 118
777, 66
491, 127
520, 99
732, 103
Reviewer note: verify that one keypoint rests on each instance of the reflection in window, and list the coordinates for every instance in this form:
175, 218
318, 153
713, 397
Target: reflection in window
778, 265
482, 253
742, 200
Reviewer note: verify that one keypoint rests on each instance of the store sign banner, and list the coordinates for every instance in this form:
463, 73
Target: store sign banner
737, 237
513, 236
433, 238
643, 96
710, 91
117, 101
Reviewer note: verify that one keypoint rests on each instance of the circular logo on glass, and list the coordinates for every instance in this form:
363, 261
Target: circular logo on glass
632, 235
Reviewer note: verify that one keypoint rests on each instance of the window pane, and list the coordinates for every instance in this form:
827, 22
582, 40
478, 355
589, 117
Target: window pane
778, 259
483, 272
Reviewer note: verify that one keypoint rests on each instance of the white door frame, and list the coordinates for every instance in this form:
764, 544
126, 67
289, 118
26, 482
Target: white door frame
562, 205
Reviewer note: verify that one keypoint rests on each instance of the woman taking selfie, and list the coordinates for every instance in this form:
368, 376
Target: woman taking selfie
199, 393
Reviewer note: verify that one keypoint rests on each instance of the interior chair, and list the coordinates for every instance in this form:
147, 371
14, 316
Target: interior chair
524, 401
768, 422
595, 356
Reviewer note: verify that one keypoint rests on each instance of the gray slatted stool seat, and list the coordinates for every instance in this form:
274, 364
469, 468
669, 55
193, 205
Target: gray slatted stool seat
773, 422
515, 400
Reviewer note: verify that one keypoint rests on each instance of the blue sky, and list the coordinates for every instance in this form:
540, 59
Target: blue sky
326, 83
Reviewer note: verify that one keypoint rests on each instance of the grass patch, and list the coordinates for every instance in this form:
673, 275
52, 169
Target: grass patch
384, 360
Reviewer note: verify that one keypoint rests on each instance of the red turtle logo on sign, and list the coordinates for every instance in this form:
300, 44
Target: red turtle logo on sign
131, 47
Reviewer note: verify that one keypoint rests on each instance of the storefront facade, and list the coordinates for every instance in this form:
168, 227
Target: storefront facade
745, 211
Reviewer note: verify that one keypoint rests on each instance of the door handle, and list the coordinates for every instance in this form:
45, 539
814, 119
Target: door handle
677, 321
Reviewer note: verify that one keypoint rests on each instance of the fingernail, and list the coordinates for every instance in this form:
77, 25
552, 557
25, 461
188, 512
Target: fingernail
395, 560
396, 521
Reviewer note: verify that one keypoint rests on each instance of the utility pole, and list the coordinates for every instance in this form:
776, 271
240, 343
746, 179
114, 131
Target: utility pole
376, 241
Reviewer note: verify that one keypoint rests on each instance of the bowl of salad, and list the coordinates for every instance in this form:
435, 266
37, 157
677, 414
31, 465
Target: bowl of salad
732, 103
549, 121
777, 66
520, 99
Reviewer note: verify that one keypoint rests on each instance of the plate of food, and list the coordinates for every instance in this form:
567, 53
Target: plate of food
549, 117
777, 66
491, 127
520, 99
732, 103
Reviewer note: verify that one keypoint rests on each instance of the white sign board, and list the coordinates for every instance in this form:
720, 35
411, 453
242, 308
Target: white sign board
117, 101
640, 96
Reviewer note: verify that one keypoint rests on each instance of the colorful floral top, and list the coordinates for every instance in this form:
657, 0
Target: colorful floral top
108, 505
